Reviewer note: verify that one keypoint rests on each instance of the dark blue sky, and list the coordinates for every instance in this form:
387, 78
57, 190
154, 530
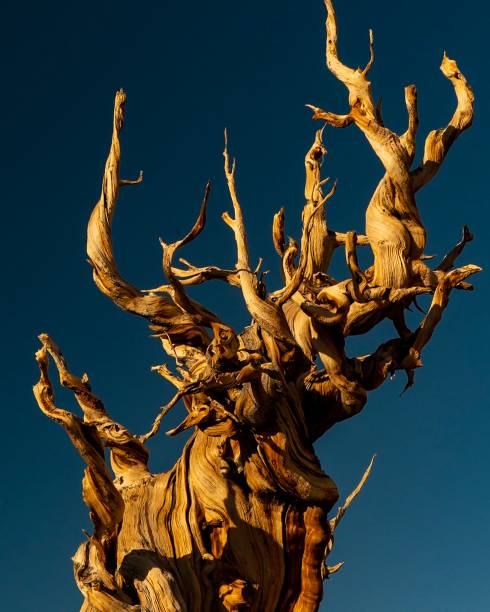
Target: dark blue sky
417, 538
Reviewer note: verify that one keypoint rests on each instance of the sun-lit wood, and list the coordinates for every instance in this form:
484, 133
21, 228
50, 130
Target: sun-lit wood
242, 519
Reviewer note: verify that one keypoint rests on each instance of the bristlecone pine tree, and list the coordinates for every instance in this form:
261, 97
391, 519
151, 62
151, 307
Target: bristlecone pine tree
241, 521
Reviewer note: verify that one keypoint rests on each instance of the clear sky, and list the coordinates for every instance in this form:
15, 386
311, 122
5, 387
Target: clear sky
417, 537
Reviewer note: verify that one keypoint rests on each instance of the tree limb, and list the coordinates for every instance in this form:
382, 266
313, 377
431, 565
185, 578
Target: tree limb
438, 142
158, 309
267, 315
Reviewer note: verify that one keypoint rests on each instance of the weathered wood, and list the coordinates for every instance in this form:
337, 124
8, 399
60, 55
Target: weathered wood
241, 520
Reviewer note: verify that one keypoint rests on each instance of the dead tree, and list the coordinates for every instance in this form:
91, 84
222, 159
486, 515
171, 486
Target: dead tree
242, 519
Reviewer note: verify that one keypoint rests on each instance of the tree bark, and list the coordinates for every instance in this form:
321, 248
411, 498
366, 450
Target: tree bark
241, 520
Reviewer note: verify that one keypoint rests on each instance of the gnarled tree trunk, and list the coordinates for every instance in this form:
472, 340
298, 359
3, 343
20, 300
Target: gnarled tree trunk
241, 521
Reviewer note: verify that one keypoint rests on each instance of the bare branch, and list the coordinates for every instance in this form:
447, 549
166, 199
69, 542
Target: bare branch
128, 456
321, 241
278, 237
200, 315
334, 522
195, 276
338, 121
155, 428
408, 138
355, 80
166, 373
136, 181
267, 315
341, 238
385, 143
99, 242
359, 281
393, 223
100, 494
236, 223
295, 282
439, 303
449, 259
439, 142
405, 353
370, 63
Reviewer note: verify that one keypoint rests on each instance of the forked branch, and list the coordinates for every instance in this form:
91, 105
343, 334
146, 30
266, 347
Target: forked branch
101, 496
200, 315
268, 316
393, 224
128, 456
335, 521
106, 275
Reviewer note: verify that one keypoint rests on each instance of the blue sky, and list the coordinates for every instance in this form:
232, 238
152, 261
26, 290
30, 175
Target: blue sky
417, 537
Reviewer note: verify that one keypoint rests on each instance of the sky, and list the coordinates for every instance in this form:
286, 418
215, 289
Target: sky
417, 537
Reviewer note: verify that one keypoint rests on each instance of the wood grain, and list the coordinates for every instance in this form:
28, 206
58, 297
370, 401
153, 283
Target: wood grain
241, 521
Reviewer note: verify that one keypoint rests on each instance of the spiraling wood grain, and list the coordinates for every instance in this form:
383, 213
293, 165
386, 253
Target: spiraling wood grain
241, 521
